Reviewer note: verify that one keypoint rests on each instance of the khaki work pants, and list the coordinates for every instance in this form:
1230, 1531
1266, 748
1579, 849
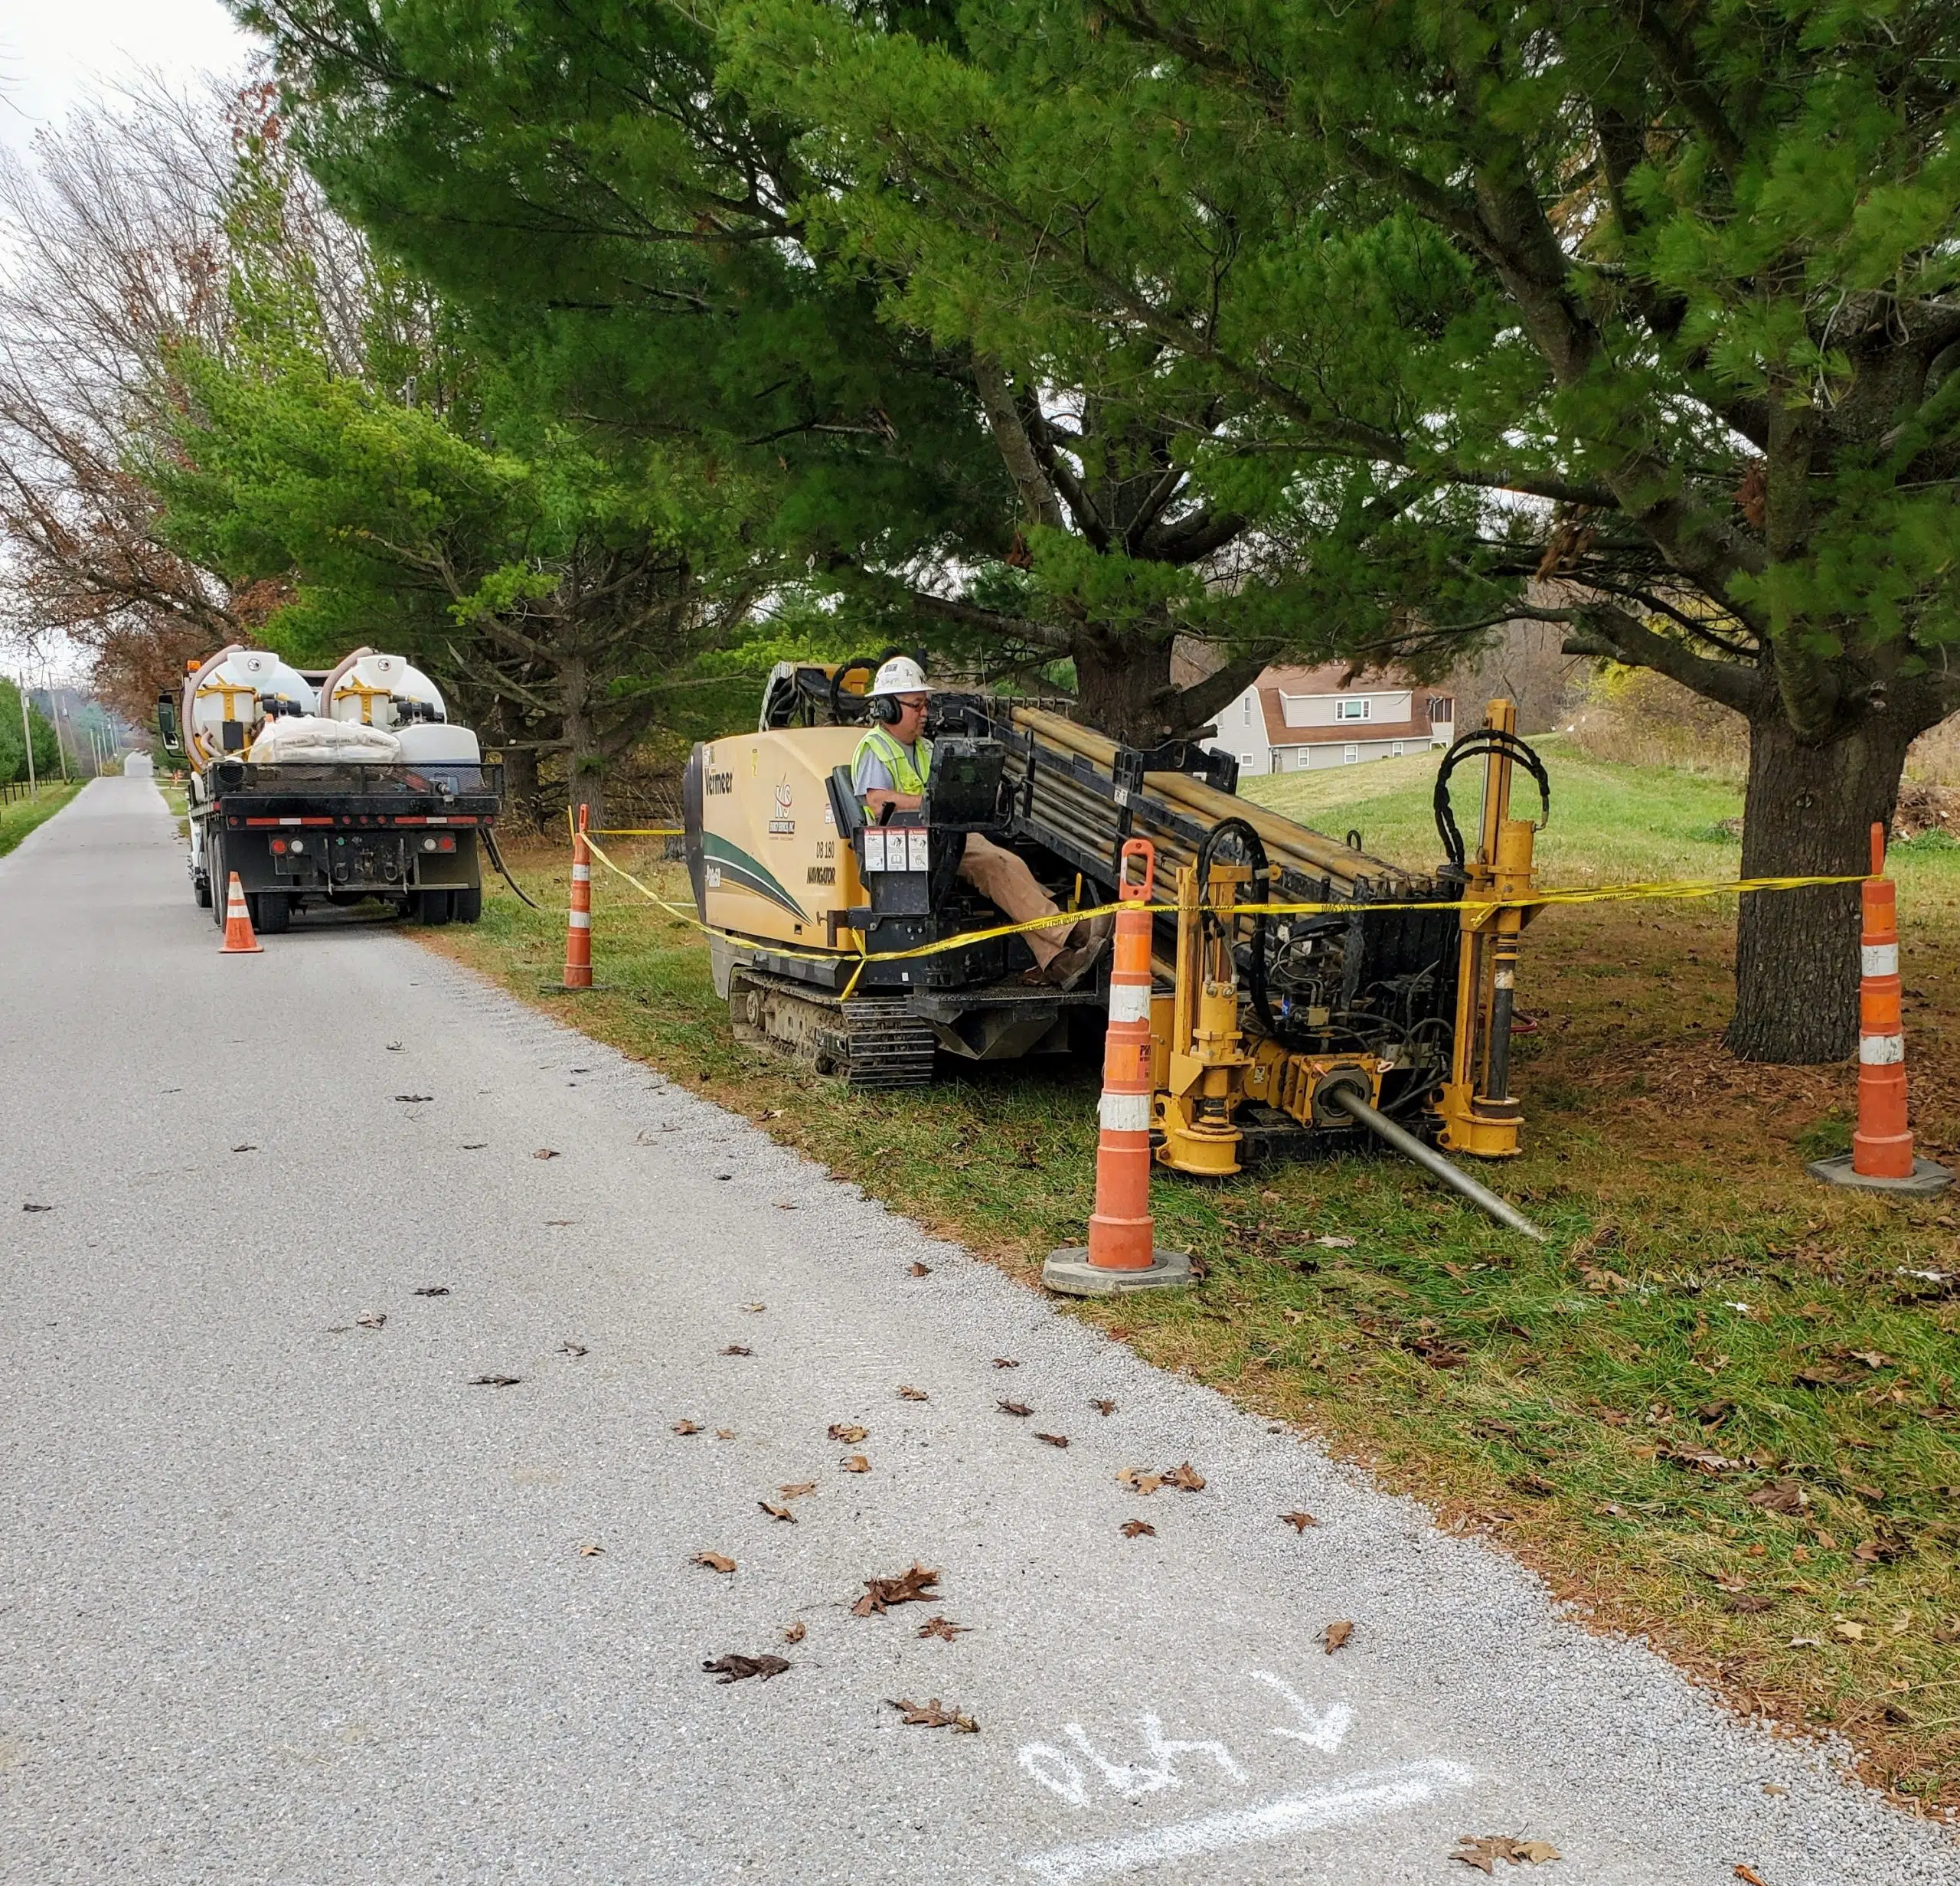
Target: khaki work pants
1002, 879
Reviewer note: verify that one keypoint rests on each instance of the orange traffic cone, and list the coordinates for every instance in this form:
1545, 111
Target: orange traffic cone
1881, 1157
578, 919
1121, 1254
239, 940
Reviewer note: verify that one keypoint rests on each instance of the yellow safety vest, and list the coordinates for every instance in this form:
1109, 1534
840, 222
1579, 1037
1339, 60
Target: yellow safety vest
907, 777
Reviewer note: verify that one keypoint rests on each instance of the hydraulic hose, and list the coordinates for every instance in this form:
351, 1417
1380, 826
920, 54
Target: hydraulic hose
1431, 1161
497, 858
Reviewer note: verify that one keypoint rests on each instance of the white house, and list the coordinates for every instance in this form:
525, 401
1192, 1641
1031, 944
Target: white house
1293, 718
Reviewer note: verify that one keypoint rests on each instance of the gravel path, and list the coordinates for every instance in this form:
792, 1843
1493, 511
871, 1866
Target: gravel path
286, 1598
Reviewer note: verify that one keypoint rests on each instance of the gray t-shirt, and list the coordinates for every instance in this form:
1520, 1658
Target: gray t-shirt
872, 775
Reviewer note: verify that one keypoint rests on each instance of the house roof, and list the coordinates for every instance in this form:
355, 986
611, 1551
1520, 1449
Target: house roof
1331, 679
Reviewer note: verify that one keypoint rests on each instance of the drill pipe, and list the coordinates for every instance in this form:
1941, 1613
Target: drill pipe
1431, 1161
1310, 853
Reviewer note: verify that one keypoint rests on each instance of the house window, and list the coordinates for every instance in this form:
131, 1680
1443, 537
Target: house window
1346, 710
1395, 750
1350, 753
1247, 705
1246, 761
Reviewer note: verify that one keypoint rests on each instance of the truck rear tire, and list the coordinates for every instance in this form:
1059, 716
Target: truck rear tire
272, 912
469, 904
437, 906
215, 876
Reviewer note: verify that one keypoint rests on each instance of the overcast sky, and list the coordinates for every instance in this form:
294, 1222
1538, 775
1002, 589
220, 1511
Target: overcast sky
54, 52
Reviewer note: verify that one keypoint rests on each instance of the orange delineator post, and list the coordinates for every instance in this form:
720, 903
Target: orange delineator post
239, 939
578, 921
1120, 1254
1881, 1158
1882, 1147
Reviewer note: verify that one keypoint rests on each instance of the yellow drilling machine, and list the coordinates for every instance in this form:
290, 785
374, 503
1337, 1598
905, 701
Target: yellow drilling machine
853, 946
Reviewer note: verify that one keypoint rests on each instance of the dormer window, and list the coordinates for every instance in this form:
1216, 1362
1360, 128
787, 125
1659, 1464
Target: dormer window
1352, 709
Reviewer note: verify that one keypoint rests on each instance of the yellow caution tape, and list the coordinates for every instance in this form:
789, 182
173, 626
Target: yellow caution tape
1602, 893
638, 831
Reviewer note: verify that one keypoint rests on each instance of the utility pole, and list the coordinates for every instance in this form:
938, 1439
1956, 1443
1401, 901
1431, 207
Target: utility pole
54, 714
26, 735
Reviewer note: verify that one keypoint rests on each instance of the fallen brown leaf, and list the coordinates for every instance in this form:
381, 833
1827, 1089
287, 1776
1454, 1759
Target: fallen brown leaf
1483, 1850
1054, 1440
1014, 1407
1748, 1875
932, 1714
715, 1562
733, 1667
687, 1427
495, 1381
777, 1512
735, 1349
1137, 1529
921, 1270
1299, 1521
856, 1463
1703, 1460
1780, 1496
1140, 1479
797, 1488
1103, 1407
431, 1289
910, 1587
544, 1153
1336, 1635
1750, 1604
724, 1433
369, 1319
912, 1394
943, 1627
592, 1551
1186, 1478
574, 1350
795, 1633
754, 1309
840, 1431
1005, 1361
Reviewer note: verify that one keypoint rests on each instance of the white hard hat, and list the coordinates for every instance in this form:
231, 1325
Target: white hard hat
900, 676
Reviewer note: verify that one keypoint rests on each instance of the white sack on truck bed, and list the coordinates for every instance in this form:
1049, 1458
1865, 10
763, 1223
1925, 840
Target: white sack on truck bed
309, 739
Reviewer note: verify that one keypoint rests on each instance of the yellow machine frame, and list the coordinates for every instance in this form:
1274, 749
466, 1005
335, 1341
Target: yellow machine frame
1204, 1066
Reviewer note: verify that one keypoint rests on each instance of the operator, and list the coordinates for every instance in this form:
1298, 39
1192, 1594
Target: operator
890, 770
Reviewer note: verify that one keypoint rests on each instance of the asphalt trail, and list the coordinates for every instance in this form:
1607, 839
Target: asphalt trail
285, 1598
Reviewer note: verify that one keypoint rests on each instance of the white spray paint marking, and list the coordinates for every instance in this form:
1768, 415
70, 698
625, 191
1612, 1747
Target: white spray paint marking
1127, 1779
1325, 1731
1055, 1772
1361, 1797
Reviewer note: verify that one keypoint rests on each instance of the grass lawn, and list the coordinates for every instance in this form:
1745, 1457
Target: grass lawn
1722, 1407
19, 816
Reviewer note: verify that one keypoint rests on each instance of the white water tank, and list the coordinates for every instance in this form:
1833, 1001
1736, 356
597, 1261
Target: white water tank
385, 690
226, 708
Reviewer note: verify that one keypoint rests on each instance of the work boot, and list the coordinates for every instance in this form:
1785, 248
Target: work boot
1088, 929
1072, 966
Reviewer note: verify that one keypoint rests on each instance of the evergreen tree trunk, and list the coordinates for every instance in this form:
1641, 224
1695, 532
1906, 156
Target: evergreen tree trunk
1123, 688
585, 778
1809, 812
521, 782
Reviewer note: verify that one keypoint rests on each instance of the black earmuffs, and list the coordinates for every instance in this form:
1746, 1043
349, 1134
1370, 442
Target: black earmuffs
885, 710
